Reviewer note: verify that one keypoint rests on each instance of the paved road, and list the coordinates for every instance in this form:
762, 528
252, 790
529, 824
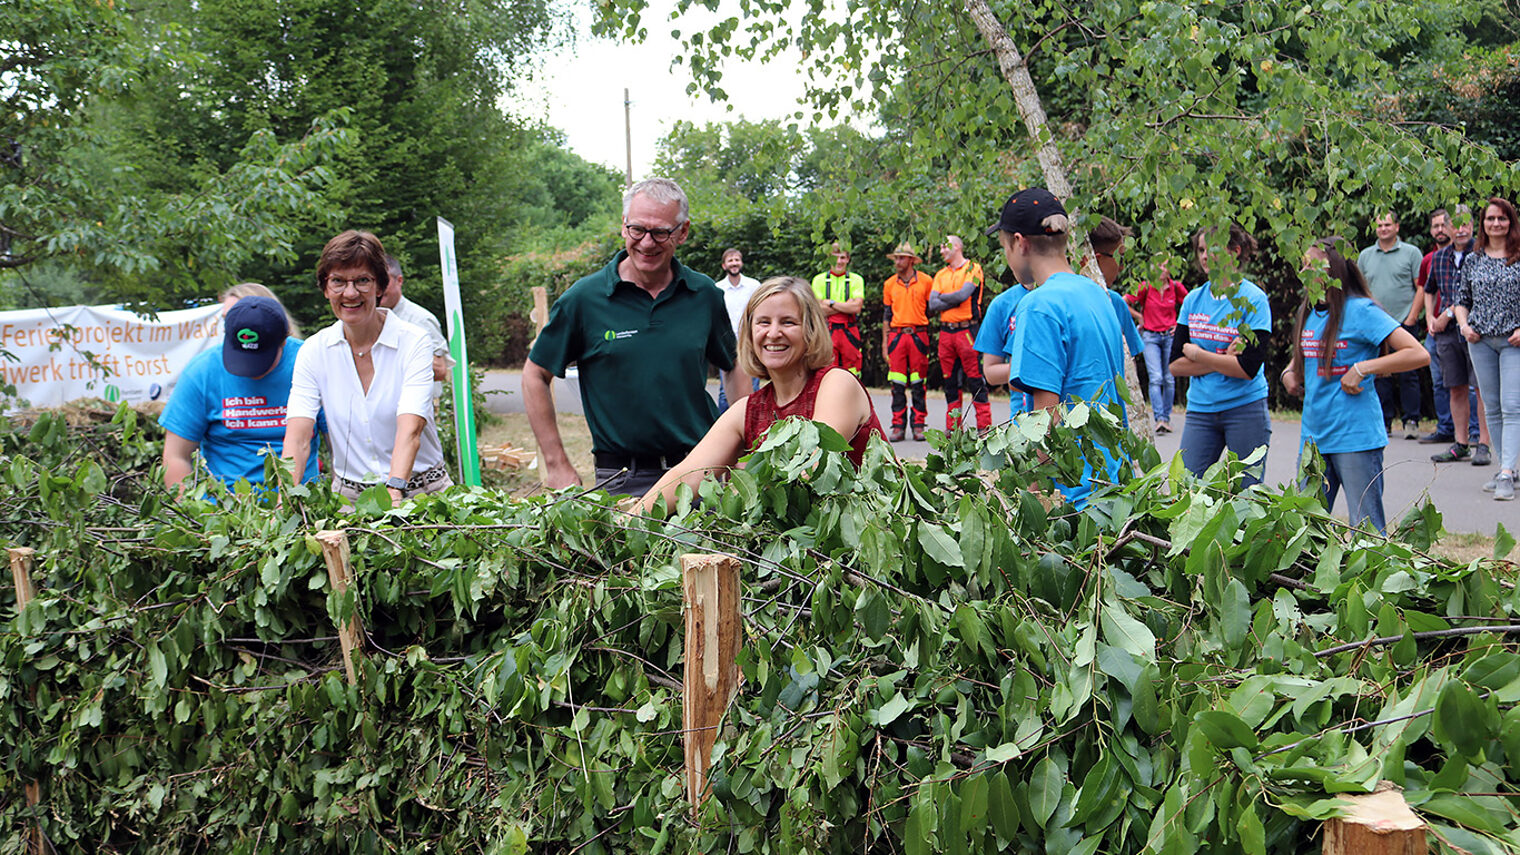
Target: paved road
1410, 475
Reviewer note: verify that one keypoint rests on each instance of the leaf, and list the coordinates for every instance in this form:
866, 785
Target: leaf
889, 711
158, 670
1461, 719
1124, 631
1253, 837
1045, 790
1235, 614
939, 545
1504, 542
1225, 730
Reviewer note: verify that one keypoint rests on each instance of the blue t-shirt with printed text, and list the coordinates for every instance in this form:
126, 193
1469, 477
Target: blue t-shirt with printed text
1213, 321
235, 419
1333, 420
1067, 341
995, 336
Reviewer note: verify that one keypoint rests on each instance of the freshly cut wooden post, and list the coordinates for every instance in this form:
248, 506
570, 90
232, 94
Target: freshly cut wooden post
710, 584
1378, 823
335, 554
21, 573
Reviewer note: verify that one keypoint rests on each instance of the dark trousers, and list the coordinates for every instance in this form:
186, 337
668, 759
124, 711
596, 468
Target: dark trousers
907, 363
1400, 394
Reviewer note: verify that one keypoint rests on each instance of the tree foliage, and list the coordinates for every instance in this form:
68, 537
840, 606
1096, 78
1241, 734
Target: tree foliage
1170, 115
69, 193
934, 660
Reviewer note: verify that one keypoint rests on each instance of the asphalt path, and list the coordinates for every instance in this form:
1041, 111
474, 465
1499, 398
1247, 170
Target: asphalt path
1410, 477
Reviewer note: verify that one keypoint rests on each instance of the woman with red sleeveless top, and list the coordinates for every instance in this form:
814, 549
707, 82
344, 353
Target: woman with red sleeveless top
783, 337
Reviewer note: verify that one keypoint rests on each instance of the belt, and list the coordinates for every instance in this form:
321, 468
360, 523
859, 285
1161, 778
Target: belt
416, 482
910, 328
841, 325
963, 325
637, 462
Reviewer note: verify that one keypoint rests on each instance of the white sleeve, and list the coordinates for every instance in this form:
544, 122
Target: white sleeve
305, 394
417, 381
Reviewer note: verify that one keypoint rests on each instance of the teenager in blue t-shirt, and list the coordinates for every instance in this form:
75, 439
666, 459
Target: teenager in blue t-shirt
1227, 399
229, 403
1066, 340
994, 338
1344, 424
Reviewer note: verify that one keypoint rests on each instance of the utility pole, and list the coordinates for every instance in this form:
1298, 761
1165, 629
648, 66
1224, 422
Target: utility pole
628, 136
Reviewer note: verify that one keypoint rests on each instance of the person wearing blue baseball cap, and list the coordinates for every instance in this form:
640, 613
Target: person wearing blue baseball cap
229, 404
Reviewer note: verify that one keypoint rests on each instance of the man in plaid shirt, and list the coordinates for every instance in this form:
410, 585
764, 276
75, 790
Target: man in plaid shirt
1456, 365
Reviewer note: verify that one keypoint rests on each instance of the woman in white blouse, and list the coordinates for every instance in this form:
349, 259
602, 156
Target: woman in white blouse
373, 374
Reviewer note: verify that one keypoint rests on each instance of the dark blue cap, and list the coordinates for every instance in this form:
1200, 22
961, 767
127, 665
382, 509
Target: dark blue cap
255, 330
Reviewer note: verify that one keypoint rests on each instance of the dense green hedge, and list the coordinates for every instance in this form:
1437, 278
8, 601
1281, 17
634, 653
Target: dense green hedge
933, 662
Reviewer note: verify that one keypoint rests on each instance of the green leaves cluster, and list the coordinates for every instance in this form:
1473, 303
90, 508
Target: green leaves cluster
935, 660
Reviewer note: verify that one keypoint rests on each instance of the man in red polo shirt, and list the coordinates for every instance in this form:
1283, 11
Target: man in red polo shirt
905, 339
957, 299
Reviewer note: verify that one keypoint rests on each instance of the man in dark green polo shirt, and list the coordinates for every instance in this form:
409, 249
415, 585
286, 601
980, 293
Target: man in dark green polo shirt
642, 332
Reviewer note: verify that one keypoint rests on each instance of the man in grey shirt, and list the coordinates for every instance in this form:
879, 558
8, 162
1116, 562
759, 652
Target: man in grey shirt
1392, 267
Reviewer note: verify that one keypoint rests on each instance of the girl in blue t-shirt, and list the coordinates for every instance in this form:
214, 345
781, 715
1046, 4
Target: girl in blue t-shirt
1345, 425
1227, 399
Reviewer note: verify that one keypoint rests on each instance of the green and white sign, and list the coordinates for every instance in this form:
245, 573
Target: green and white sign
464, 410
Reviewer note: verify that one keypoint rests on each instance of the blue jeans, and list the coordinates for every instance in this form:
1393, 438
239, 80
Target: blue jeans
1361, 473
1158, 353
1497, 363
754, 386
1241, 429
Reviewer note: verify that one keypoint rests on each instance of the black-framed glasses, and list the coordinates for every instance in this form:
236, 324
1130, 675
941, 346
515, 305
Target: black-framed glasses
656, 235
362, 284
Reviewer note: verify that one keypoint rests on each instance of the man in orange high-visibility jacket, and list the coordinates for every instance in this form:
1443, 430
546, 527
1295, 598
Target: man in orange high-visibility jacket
957, 299
905, 339
843, 295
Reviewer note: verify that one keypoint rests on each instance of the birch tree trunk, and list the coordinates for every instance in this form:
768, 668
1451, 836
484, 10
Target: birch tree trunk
1011, 63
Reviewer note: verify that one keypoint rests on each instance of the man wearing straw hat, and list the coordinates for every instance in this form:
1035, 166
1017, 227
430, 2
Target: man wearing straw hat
905, 339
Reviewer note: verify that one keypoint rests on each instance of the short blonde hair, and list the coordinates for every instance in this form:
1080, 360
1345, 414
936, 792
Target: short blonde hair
254, 289
819, 348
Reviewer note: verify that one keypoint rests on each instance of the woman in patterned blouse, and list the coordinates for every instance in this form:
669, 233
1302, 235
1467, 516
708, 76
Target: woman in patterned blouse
1488, 315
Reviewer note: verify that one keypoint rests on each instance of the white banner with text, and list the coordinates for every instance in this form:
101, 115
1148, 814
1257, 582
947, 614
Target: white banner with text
53, 356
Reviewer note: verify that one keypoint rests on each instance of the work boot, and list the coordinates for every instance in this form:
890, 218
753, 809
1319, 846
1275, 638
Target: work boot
1481, 457
918, 433
1456, 452
897, 434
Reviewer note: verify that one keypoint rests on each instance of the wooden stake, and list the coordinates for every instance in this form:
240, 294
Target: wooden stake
335, 555
1378, 823
21, 573
710, 584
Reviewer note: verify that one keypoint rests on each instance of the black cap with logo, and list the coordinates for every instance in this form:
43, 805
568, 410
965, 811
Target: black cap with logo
255, 330
1025, 212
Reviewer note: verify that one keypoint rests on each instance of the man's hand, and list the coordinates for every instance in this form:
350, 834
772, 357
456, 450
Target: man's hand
561, 474
1440, 322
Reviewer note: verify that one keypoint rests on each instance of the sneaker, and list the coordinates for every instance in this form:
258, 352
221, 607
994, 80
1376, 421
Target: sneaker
1163, 427
918, 433
1456, 452
1504, 487
1437, 437
1491, 484
1481, 457
897, 434
1411, 430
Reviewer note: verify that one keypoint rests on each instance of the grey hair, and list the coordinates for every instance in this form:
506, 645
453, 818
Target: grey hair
392, 265
661, 191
